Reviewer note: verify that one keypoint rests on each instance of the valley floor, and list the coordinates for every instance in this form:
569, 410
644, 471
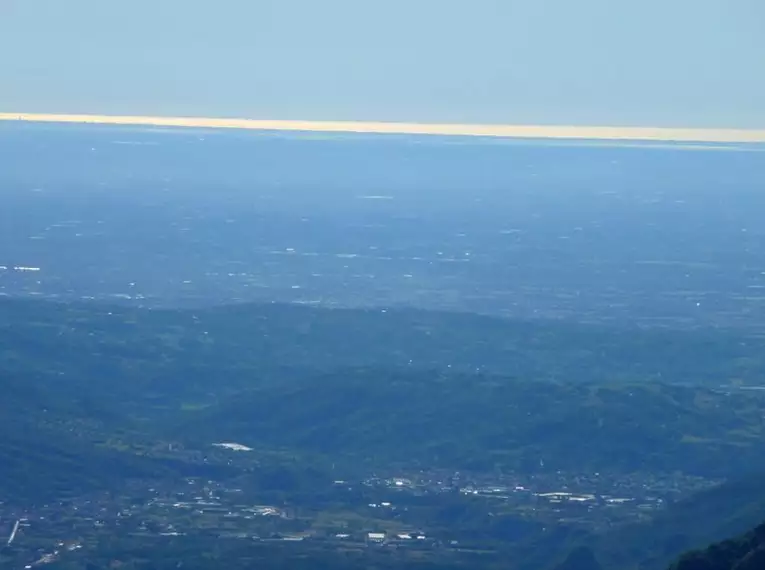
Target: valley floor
433, 514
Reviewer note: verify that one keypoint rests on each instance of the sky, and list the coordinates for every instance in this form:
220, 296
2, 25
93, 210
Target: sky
674, 63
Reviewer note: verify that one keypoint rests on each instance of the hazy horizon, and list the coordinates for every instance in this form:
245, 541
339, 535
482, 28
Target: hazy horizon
608, 135
683, 64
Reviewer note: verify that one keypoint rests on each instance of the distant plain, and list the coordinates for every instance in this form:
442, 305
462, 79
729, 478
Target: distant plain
653, 233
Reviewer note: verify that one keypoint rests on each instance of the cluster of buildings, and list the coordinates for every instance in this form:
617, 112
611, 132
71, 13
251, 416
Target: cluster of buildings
369, 512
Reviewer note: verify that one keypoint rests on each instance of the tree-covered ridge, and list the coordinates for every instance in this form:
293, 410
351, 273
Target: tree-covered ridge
729, 509
747, 552
484, 422
54, 445
243, 341
383, 386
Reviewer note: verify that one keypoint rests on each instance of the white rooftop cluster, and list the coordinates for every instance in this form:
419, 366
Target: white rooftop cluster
233, 446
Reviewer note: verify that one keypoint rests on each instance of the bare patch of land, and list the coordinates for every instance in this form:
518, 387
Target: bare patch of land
507, 131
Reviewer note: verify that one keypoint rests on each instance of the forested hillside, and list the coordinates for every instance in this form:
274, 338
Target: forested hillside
747, 552
483, 421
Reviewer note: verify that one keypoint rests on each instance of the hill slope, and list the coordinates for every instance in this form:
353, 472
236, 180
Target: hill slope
481, 421
45, 452
403, 385
54, 445
727, 510
730, 509
172, 351
746, 552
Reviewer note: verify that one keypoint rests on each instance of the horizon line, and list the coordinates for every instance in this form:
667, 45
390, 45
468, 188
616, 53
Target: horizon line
614, 133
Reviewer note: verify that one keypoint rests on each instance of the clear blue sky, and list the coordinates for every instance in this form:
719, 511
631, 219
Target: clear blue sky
600, 62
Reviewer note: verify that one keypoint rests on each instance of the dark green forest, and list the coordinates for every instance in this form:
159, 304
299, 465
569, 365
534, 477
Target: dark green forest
746, 552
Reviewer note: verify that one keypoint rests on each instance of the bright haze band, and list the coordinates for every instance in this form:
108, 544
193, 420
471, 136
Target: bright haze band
507, 131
